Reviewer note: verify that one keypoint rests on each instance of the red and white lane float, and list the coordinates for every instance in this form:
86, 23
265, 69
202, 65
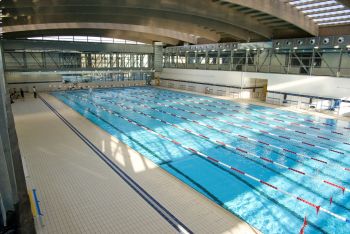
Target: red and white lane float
227, 132
318, 208
304, 226
245, 126
258, 122
250, 128
243, 152
265, 112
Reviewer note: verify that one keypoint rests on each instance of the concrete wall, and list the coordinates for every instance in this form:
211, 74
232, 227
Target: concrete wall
26, 80
20, 77
324, 86
278, 85
213, 82
230, 78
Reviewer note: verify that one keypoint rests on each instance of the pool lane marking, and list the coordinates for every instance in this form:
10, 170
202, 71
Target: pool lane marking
254, 121
244, 126
207, 193
247, 127
216, 142
272, 125
252, 110
169, 217
231, 133
266, 112
241, 172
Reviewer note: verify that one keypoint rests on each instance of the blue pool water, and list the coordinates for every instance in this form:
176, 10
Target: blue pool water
286, 165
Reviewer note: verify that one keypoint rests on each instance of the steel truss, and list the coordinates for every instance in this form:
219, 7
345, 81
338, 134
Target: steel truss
70, 61
326, 62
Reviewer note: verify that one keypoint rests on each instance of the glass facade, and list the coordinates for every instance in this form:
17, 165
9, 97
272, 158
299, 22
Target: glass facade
86, 39
47, 60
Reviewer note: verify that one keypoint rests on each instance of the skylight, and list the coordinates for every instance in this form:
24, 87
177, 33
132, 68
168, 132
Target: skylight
323, 12
329, 13
323, 9
333, 18
299, 2
316, 4
335, 22
86, 39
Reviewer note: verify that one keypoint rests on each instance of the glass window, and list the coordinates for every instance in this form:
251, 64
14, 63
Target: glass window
191, 57
80, 38
181, 59
106, 40
35, 38
212, 57
94, 39
121, 41
86, 39
83, 60
130, 42
145, 60
225, 57
201, 58
65, 38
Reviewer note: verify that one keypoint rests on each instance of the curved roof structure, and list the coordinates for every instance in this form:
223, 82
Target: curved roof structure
173, 22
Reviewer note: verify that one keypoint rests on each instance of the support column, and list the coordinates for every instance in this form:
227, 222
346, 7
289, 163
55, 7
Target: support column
289, 61
14, 192
340, 63
158, 56
7, 178
312, 65
158, 61
270, 58
218, 59
89, 60
246, 60
206, 60
231, 59
195, 59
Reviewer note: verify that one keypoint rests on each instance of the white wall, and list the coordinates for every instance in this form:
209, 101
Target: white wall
26, 80
231, 78
20, 77
324, 86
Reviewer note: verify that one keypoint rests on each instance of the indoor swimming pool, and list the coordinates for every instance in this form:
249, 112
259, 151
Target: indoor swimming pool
270, 167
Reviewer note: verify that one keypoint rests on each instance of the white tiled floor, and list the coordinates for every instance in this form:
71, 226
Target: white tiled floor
79, 193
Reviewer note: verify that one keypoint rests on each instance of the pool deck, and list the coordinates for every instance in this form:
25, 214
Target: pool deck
80, 193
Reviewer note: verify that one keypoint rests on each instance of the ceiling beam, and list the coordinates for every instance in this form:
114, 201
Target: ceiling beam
281, 10
120, 34
196, 9
108, 15
111, 26
334, 30
209, 29
183, 23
